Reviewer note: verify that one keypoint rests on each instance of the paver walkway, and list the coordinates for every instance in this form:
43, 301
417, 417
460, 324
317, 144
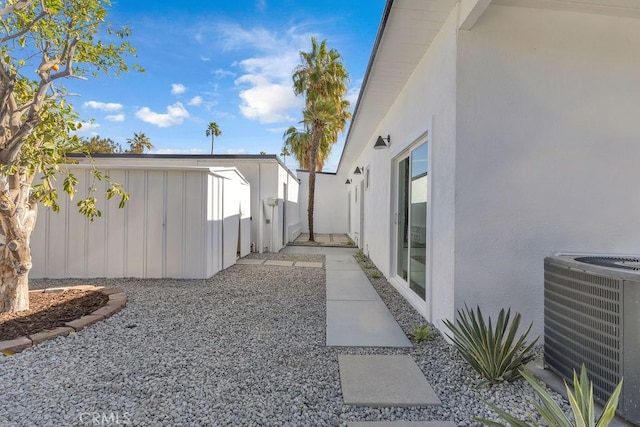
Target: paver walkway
327, 240
357, 317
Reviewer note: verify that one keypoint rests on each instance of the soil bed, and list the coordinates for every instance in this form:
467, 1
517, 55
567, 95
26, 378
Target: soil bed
48, 310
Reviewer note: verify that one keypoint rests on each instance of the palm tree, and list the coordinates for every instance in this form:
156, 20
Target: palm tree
213, 130
321, 78
139, 143
285, 153
299, 142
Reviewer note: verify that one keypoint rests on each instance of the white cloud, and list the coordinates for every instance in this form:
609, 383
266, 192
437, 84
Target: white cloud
265, 101
87, 126
205, 58
266, 90
221, 73
261, 5
353, 93
179, 151
178, 89
115, 118
103, 106
196, 100
175, 115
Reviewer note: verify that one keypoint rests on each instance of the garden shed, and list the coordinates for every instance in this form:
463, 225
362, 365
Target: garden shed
181, 222
275, 212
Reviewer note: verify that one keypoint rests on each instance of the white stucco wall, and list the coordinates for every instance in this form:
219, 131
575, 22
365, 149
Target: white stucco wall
267, 179
425, 105
330, 203
548, 149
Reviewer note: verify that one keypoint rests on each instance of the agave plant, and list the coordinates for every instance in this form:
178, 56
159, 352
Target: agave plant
494, 353
580, 399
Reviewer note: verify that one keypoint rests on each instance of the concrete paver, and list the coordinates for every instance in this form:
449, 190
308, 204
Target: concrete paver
350, 285
384, 380
308, 264
43, 336
278, 263
342, 263
249, 261
363, 324
15, 345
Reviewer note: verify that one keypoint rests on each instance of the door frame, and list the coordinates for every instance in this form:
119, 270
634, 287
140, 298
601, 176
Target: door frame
424, 307
362, 217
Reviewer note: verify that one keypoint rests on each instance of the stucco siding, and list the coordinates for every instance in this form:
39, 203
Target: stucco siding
547, 150
425, 105
330, 207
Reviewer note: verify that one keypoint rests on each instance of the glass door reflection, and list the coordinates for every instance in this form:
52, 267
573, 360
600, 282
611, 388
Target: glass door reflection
411, 214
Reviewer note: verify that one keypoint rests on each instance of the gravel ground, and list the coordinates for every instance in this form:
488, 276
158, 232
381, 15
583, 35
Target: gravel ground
243, 348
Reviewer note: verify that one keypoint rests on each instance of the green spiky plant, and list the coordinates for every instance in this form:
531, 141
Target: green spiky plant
376, 275
495, 353
421, 333
580, 399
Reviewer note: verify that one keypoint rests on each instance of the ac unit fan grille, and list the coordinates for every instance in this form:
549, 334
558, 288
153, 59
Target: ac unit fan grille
582, 325
624, 263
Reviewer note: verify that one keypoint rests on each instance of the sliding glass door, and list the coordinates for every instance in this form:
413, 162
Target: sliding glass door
411, 218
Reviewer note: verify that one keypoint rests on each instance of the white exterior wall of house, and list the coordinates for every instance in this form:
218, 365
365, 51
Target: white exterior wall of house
426, 106
179, 223
531, 119
330, 203
547, 151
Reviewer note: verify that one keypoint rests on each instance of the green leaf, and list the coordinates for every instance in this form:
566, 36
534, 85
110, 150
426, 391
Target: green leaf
492, 351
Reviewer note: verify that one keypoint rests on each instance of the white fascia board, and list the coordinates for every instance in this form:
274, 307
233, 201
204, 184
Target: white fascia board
470, 12
229, 173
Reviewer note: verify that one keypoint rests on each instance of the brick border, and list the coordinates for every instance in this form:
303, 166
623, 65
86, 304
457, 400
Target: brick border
117, 300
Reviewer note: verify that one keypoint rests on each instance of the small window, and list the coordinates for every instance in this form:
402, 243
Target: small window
366, 178
356, 194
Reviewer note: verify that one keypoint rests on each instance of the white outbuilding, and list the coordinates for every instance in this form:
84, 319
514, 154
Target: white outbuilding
185, 222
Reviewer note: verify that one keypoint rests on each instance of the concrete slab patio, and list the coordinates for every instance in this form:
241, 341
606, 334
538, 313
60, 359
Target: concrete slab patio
384, 380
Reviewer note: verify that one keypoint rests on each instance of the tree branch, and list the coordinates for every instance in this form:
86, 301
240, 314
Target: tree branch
15, 7
24, 30
69, 54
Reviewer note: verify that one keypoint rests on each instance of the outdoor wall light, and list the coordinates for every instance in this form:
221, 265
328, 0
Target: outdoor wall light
382, 142
348, 181
358, 171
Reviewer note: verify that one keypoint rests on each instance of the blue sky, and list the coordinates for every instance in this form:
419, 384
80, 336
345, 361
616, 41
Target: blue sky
228, 62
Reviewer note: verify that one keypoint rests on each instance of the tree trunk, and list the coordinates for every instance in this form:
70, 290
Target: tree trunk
14, 293
313, 159
17, 219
